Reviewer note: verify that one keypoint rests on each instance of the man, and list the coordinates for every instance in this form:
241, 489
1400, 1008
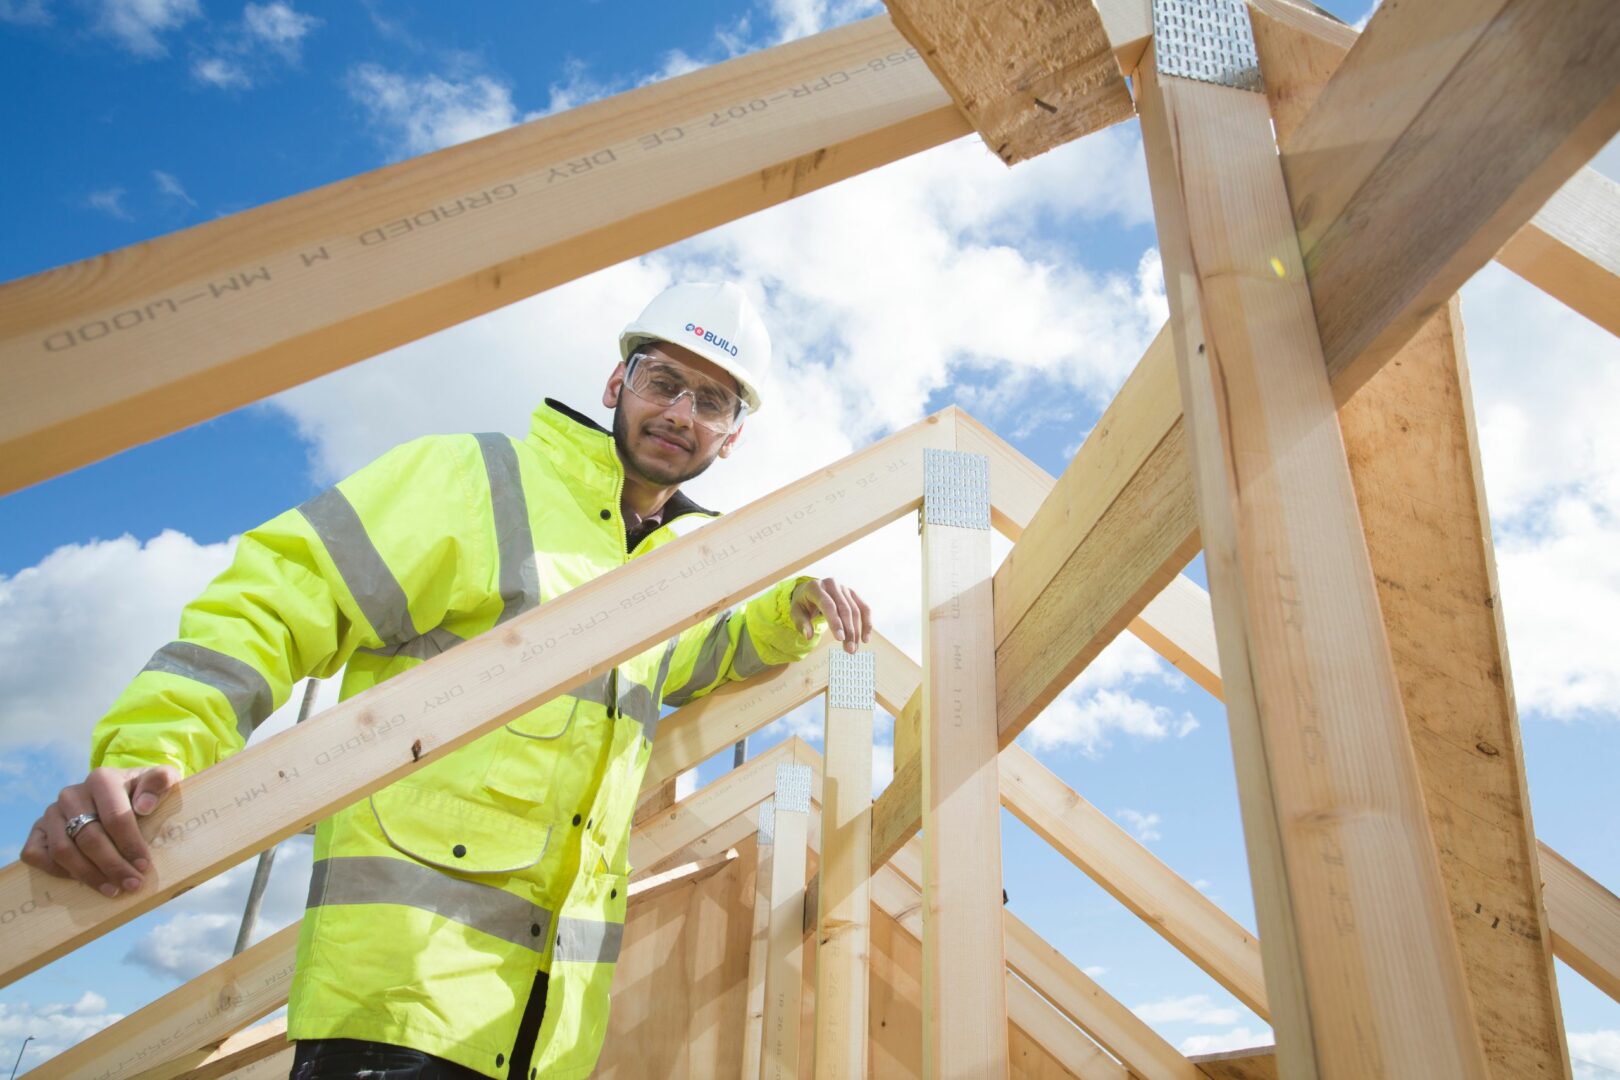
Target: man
465, 920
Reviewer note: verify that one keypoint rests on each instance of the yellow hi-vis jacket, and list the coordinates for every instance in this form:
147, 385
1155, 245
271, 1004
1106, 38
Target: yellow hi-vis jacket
434, 902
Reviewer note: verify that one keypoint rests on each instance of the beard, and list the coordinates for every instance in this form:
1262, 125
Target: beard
652, 471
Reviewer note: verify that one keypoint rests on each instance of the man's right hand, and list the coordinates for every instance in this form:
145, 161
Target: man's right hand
109, 853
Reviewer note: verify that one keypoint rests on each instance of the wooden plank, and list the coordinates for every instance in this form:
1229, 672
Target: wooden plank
844, 900
1049, 1028
110, 352
964, 1009
1028, 75
1585, 920
1257, 1064
1176, 624
1362, 971
201, 1012
1439, 136
270, 791
784, 970
759, 943
1570, 249
1074, 994
240, 1051
275, 1067
1154, 893
1413, 451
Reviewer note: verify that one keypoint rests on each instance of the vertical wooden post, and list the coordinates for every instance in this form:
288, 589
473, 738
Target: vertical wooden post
784, 969
759, 943
964, 991
1362, 969
844, 910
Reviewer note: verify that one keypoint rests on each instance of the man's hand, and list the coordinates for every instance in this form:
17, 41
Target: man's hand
109, 853
846, 613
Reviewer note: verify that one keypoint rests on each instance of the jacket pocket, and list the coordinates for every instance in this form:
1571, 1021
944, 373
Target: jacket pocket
452, 833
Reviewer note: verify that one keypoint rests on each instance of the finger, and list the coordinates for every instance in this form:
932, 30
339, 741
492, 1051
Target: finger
151, 785
866, 616
36, 853
828, 607
107, 788
92, 840
97, 841
66, 855
845, 615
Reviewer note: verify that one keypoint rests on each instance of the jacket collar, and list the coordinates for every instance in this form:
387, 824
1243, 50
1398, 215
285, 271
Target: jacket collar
588, 447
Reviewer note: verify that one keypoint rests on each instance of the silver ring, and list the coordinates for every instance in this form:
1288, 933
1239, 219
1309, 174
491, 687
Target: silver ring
79, 822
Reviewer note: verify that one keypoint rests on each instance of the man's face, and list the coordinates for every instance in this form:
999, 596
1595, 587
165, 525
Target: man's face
660, 444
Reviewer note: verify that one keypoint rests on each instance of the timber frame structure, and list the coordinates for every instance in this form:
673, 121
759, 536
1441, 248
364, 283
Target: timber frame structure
1304, 418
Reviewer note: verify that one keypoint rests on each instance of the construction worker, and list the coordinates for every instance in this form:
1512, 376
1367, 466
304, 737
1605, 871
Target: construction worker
465, 920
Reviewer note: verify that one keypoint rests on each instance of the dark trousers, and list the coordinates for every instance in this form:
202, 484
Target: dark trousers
345, 1059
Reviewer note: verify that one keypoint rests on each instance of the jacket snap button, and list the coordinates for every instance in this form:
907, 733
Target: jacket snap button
613, 894
591, 823
576, 819
500, 1059
606, 514
534, 929
459, 850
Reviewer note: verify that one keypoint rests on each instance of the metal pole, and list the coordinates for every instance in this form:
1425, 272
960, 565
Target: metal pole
267, 857
739, 753
20, 1050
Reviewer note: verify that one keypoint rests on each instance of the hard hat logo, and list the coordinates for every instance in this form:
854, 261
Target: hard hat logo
709, 336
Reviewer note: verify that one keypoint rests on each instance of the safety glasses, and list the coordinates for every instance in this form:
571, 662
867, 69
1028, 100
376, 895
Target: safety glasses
715, 408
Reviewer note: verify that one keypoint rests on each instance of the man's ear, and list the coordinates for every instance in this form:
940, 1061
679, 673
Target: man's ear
731, 440
615, 384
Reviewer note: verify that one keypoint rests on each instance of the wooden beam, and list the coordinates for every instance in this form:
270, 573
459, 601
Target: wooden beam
110, 352
1570, 249
1414, 458
240, 1051
1362, 971
1585, 920
1028, 75
964, 1010
270, 791
844, 899
784, 971
1038, 1017
1154, 893
1440, 135
759, 944
1074, 994
203, 1012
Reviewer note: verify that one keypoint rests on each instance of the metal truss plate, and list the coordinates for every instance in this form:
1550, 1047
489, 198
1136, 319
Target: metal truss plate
767, 822
1208, 40
851, 680
793, 788
956, 488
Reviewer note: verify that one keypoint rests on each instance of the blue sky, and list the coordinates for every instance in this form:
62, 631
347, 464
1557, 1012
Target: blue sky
1024, 295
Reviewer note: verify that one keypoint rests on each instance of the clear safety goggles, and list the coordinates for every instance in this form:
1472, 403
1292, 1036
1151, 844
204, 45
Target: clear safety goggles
715, 407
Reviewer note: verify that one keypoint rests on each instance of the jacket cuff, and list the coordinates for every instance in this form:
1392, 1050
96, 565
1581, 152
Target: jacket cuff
778, 641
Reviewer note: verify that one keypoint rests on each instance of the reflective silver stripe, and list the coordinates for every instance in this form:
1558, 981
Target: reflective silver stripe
426, 647
707, 667
637, 703
519, 576
247, 691
649, 723
595, 690
586, 941
746, 662
377, 879
374, 586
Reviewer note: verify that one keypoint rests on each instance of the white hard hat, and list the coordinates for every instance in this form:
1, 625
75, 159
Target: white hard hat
716, 321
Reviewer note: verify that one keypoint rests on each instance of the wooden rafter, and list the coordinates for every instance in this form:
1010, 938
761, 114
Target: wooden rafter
1332, 806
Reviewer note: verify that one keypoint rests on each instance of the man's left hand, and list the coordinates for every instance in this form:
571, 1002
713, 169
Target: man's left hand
847, 615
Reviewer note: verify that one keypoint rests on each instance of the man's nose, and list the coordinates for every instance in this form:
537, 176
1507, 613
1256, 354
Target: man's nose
682, 408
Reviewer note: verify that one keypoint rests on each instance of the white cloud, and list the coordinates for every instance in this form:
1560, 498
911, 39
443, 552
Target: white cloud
54, 1026
25, 12
1096, 971
416, 115
1191, 1009
1595, 1055
1239, 1038
138, 25
279, 27
1146, 826
801, 18
218, 71
109, 201
168, 184
1099, 703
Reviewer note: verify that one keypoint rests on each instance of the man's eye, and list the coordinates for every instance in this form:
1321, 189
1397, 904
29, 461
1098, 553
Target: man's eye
664, 384
711, 403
